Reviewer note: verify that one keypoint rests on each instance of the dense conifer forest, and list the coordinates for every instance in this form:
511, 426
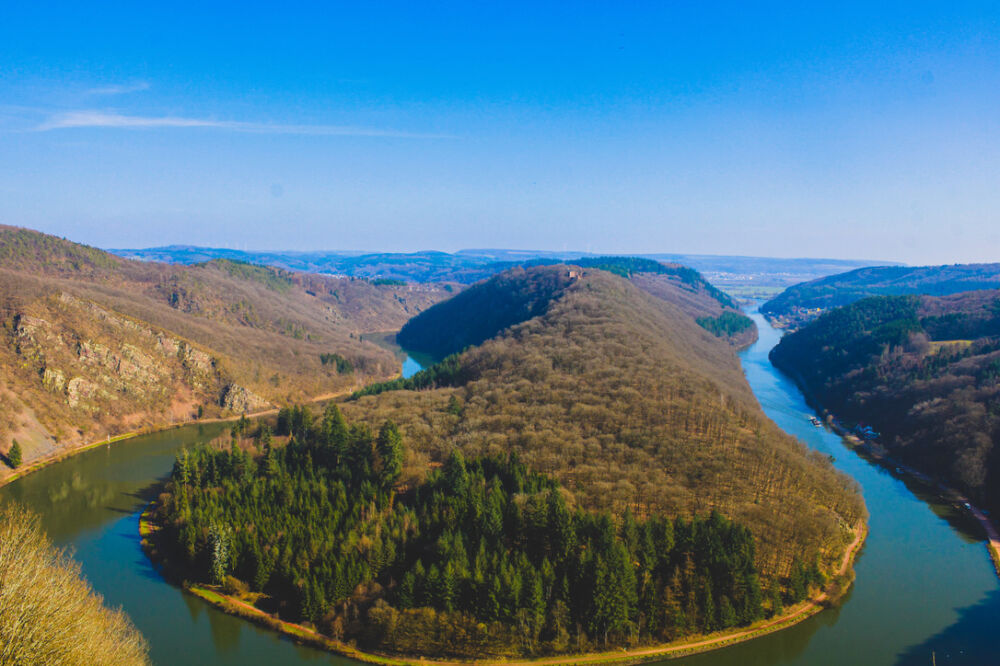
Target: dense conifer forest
479, 557
922, 372
727, 324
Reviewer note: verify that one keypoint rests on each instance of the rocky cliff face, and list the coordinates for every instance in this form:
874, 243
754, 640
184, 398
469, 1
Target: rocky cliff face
81, 371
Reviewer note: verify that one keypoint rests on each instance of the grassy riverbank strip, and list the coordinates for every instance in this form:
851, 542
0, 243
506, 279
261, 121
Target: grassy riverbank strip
45, 461
214, 595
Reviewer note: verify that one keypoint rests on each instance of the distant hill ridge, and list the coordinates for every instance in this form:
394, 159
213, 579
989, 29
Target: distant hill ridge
520, 293
472, 265
793, 305
485, 310
23, 249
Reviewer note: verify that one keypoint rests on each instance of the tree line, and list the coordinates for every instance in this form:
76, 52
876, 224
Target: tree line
727, 324
447, 372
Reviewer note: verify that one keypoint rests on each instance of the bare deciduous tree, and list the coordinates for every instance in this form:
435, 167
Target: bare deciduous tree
48, 613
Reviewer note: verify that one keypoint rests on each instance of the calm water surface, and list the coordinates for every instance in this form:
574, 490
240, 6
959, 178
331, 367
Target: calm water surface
924, 580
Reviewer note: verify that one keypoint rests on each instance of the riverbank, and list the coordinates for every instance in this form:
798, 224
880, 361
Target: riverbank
941, 490
840, 583
873, 452
59, 456
45, 461
878, 455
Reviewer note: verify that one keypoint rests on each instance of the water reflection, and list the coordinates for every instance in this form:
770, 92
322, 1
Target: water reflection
91, 503
225, 633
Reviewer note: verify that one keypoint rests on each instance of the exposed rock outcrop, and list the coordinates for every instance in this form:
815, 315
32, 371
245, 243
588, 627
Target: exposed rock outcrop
54, 380
241, 400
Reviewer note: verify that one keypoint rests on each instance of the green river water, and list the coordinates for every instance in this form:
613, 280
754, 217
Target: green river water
924, 585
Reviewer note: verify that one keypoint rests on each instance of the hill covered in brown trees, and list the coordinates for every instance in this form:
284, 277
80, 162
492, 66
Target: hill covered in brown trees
624, 399
92, 344
515, 296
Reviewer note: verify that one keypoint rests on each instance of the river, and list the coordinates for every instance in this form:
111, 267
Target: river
924, 580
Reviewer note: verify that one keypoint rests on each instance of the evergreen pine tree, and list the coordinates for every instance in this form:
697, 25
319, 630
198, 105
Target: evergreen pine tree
614, 594
727, 614
407, 591
455, 474
14, 455
706, 601
751, 607
389, 448
774, 596
219, 541
447, 587
797, 581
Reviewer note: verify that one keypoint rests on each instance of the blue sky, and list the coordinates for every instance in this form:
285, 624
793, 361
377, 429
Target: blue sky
776, 129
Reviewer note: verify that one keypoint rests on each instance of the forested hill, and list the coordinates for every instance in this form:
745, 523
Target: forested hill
92, 344
923, 372
521, 293
481, 558
627, 402
803, 302
631, 266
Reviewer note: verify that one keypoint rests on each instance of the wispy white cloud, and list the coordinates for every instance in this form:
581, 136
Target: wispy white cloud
74, 119
120, 89
104, 119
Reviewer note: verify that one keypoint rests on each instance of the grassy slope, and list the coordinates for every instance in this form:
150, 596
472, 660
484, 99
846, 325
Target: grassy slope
91, 343
923, 371
628, 402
